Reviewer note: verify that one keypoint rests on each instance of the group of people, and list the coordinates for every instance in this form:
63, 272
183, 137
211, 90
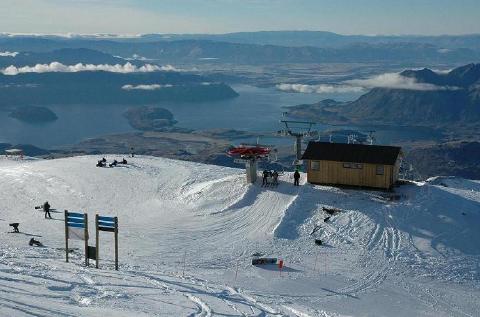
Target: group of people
103, 163
270, 178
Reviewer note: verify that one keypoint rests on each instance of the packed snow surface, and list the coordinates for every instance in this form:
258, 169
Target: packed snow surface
187, 234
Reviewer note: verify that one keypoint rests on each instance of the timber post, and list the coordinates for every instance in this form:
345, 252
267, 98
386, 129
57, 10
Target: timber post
66, 235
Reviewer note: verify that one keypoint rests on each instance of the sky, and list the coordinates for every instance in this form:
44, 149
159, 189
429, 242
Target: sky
423, 17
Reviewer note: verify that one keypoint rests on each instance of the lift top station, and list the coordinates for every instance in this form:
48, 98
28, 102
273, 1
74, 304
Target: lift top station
298, 130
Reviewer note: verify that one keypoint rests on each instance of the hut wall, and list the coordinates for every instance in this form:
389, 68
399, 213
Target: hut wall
332, 172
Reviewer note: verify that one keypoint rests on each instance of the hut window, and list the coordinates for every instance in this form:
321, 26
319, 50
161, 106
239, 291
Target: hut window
358, 166
380, 169
315, 165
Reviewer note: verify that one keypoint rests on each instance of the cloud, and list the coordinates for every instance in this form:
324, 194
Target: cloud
387, 80
393, 81
59, 67
135, 57
319, 89
146, 87
9, 54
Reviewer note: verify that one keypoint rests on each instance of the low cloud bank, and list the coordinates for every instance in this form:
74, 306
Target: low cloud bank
8, 54
318, 89
387, 80
394, 81
59, 67
146, 87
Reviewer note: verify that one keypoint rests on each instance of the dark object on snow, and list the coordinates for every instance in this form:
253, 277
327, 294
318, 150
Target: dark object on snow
124, 161
15, 226
35, 242
104, 160
114, 163
296, 178
317, 227
92, 253
46, 209
265, 177
100, 163
263, 261
318, 242
327, 219
331, 211
275, 178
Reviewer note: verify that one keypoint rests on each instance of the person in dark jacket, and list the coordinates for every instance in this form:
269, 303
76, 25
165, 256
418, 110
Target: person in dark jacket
275, 178
265, 176
46, 209
296, 178
33, 242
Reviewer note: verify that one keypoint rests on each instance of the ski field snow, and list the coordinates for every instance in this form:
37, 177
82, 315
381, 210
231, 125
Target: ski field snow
187, 233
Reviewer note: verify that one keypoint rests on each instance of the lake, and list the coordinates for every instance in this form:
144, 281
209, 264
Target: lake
256, 109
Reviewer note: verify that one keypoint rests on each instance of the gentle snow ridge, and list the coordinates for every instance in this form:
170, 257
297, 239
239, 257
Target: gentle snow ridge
187, 233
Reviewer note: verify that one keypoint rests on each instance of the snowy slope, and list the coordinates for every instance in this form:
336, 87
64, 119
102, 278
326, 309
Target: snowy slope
415, 256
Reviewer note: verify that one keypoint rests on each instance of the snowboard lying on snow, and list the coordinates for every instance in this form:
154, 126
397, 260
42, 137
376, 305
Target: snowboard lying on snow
264, 261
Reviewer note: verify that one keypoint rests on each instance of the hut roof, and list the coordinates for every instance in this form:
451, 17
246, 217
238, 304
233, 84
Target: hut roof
357, 153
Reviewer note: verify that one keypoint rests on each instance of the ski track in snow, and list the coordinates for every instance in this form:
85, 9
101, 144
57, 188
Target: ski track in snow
168, 207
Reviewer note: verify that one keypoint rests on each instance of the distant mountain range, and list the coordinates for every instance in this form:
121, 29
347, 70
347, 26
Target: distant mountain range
451, 98
322, 39
266, 48
280, 38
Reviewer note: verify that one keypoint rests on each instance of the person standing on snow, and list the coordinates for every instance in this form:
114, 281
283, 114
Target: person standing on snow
296, 178
275, 178
265, 175
46, 209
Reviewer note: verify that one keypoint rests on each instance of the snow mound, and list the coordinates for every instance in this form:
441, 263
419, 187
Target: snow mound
188, 232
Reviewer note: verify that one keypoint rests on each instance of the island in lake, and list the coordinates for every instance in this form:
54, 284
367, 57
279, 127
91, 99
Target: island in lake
149, 118
33, 114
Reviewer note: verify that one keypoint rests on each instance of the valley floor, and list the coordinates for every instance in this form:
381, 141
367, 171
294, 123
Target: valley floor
188, 231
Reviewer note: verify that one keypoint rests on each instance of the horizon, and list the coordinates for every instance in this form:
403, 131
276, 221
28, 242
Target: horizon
371, 17
137, 35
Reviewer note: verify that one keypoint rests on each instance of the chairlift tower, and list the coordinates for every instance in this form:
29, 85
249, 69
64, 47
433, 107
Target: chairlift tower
298, 130
371, 137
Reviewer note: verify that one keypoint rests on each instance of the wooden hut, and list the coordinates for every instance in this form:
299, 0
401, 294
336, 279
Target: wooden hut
352, 164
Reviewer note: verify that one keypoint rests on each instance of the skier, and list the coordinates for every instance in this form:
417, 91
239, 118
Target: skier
124, 161
265, 176
15, 227
114, 163
275, 178
100, 164
296, 178
46, 209
33, 242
